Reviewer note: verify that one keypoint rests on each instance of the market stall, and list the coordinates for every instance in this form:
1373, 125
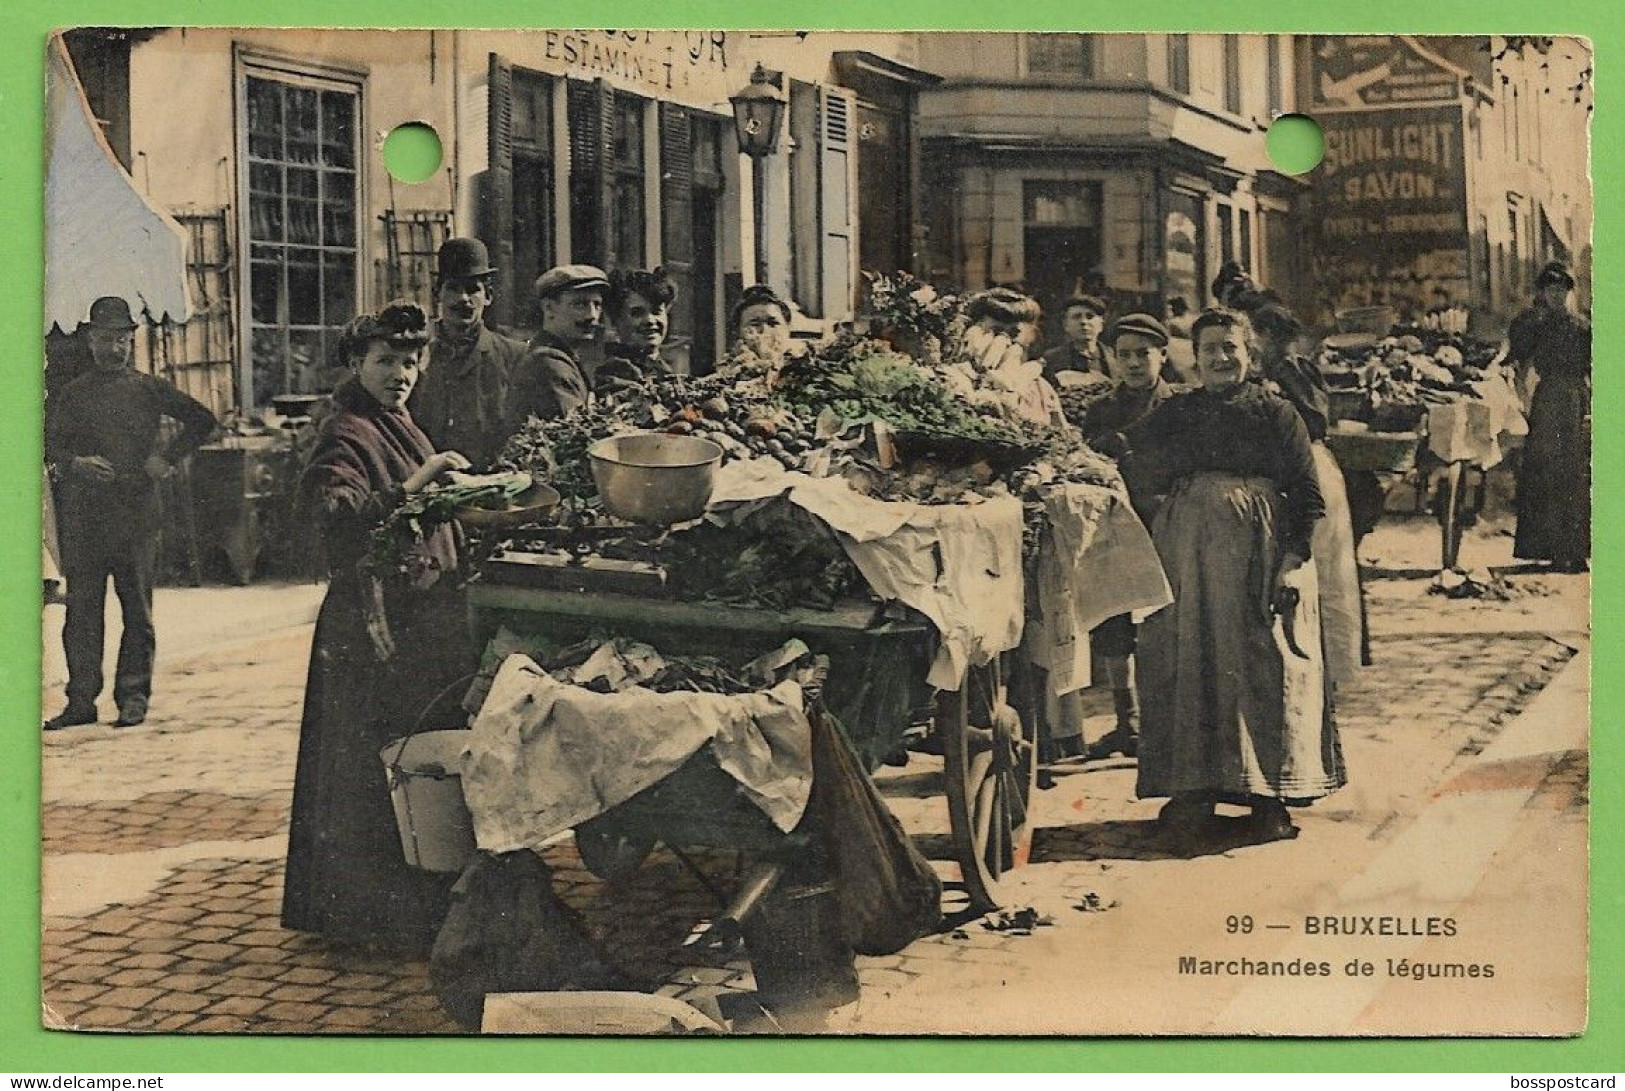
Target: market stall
886, 508
1425, 402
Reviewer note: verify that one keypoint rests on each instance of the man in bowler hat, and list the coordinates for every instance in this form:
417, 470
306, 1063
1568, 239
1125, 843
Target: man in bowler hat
460, 402
552, 381
101, 444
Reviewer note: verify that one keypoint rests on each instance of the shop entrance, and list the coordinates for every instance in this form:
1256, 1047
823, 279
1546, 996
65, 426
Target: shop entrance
1061, 245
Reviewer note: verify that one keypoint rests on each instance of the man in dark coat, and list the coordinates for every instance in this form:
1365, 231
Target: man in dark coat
101, 444
1082, 319
461, 401
551, 380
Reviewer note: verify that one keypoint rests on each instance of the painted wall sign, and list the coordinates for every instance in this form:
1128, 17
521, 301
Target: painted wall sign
1390, 204
657, 59
1357, 71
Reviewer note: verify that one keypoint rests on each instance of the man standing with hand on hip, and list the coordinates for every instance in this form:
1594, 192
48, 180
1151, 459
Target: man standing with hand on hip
101, 443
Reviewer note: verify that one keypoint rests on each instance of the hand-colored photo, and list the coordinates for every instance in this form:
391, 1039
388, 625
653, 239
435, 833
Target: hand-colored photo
565, 532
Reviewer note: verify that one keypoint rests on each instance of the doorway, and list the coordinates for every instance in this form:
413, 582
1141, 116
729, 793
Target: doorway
1061, 244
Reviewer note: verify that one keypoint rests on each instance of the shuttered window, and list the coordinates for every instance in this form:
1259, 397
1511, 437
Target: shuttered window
1179, 63
1232, 73
606, 176
837, 206
823, 199
690, 183
517, 223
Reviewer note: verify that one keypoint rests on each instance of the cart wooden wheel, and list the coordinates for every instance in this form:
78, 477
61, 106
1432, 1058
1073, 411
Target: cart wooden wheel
990, 764
1452, 512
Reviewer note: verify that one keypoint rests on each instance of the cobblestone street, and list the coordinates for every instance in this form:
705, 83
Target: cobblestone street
163, 852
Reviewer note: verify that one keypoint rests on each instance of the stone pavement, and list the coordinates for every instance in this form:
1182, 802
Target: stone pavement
163, 851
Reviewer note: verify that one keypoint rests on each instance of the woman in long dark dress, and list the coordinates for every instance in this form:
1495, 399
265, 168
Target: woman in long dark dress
386, 644
1233, 705
1554, 477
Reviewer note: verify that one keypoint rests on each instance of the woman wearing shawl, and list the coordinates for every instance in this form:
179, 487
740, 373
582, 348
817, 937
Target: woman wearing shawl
386, 644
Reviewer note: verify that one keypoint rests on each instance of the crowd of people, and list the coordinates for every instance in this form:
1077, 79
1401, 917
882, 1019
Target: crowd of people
1217, 422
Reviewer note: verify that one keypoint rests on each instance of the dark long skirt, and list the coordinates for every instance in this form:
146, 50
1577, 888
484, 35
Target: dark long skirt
346, 875
1554, 479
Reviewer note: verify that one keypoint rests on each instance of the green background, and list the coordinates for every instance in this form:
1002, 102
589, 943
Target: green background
25, 1048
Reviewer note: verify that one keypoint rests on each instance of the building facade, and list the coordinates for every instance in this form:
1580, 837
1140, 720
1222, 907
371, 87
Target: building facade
1454, 168
610, 147
1130, 165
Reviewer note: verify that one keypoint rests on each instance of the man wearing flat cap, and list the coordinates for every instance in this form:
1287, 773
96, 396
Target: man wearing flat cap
551, 380
461, 401
1554, 473
101, 444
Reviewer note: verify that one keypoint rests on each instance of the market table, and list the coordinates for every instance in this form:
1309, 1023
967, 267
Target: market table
940, 637
877, 667
1469, 432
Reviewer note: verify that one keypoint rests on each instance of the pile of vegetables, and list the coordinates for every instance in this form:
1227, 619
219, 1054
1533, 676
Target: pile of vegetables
391, 548
1391, 382
916, 407
882, 385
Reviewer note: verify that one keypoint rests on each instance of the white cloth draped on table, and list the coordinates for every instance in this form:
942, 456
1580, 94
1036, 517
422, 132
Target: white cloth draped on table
536, 762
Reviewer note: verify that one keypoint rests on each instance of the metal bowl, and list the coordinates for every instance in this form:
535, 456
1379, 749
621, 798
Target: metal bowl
652, 477
534, 505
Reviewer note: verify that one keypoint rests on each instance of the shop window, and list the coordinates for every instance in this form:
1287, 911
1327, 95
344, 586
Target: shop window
1232, 73
1184, 252
302, 231
626, 214
1064, 57
1244, 221
885, 207
1179, 63
1227, 232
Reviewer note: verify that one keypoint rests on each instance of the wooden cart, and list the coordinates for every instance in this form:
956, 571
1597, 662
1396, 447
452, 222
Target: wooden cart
989, 750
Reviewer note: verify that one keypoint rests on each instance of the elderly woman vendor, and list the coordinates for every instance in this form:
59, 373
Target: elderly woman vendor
1232, 691
388, 640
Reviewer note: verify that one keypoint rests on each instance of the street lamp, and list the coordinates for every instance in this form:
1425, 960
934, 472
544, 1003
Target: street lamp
758, 113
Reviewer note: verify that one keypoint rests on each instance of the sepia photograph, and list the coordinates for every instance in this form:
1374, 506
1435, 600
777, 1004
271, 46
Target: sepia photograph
815, 533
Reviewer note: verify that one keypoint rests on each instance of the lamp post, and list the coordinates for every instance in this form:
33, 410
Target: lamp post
758, 113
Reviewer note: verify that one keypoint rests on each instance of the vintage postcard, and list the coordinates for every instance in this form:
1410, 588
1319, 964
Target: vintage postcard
909, 533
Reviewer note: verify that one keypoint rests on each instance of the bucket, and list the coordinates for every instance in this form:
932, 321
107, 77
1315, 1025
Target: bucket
437, 832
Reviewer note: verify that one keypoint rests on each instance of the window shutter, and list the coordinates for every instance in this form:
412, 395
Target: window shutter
498, 225
676, 185
837, 206
592, 134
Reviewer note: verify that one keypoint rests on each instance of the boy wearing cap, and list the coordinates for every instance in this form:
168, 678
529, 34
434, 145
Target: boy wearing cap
460, 402
551, 381
1139, 345
101, 444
